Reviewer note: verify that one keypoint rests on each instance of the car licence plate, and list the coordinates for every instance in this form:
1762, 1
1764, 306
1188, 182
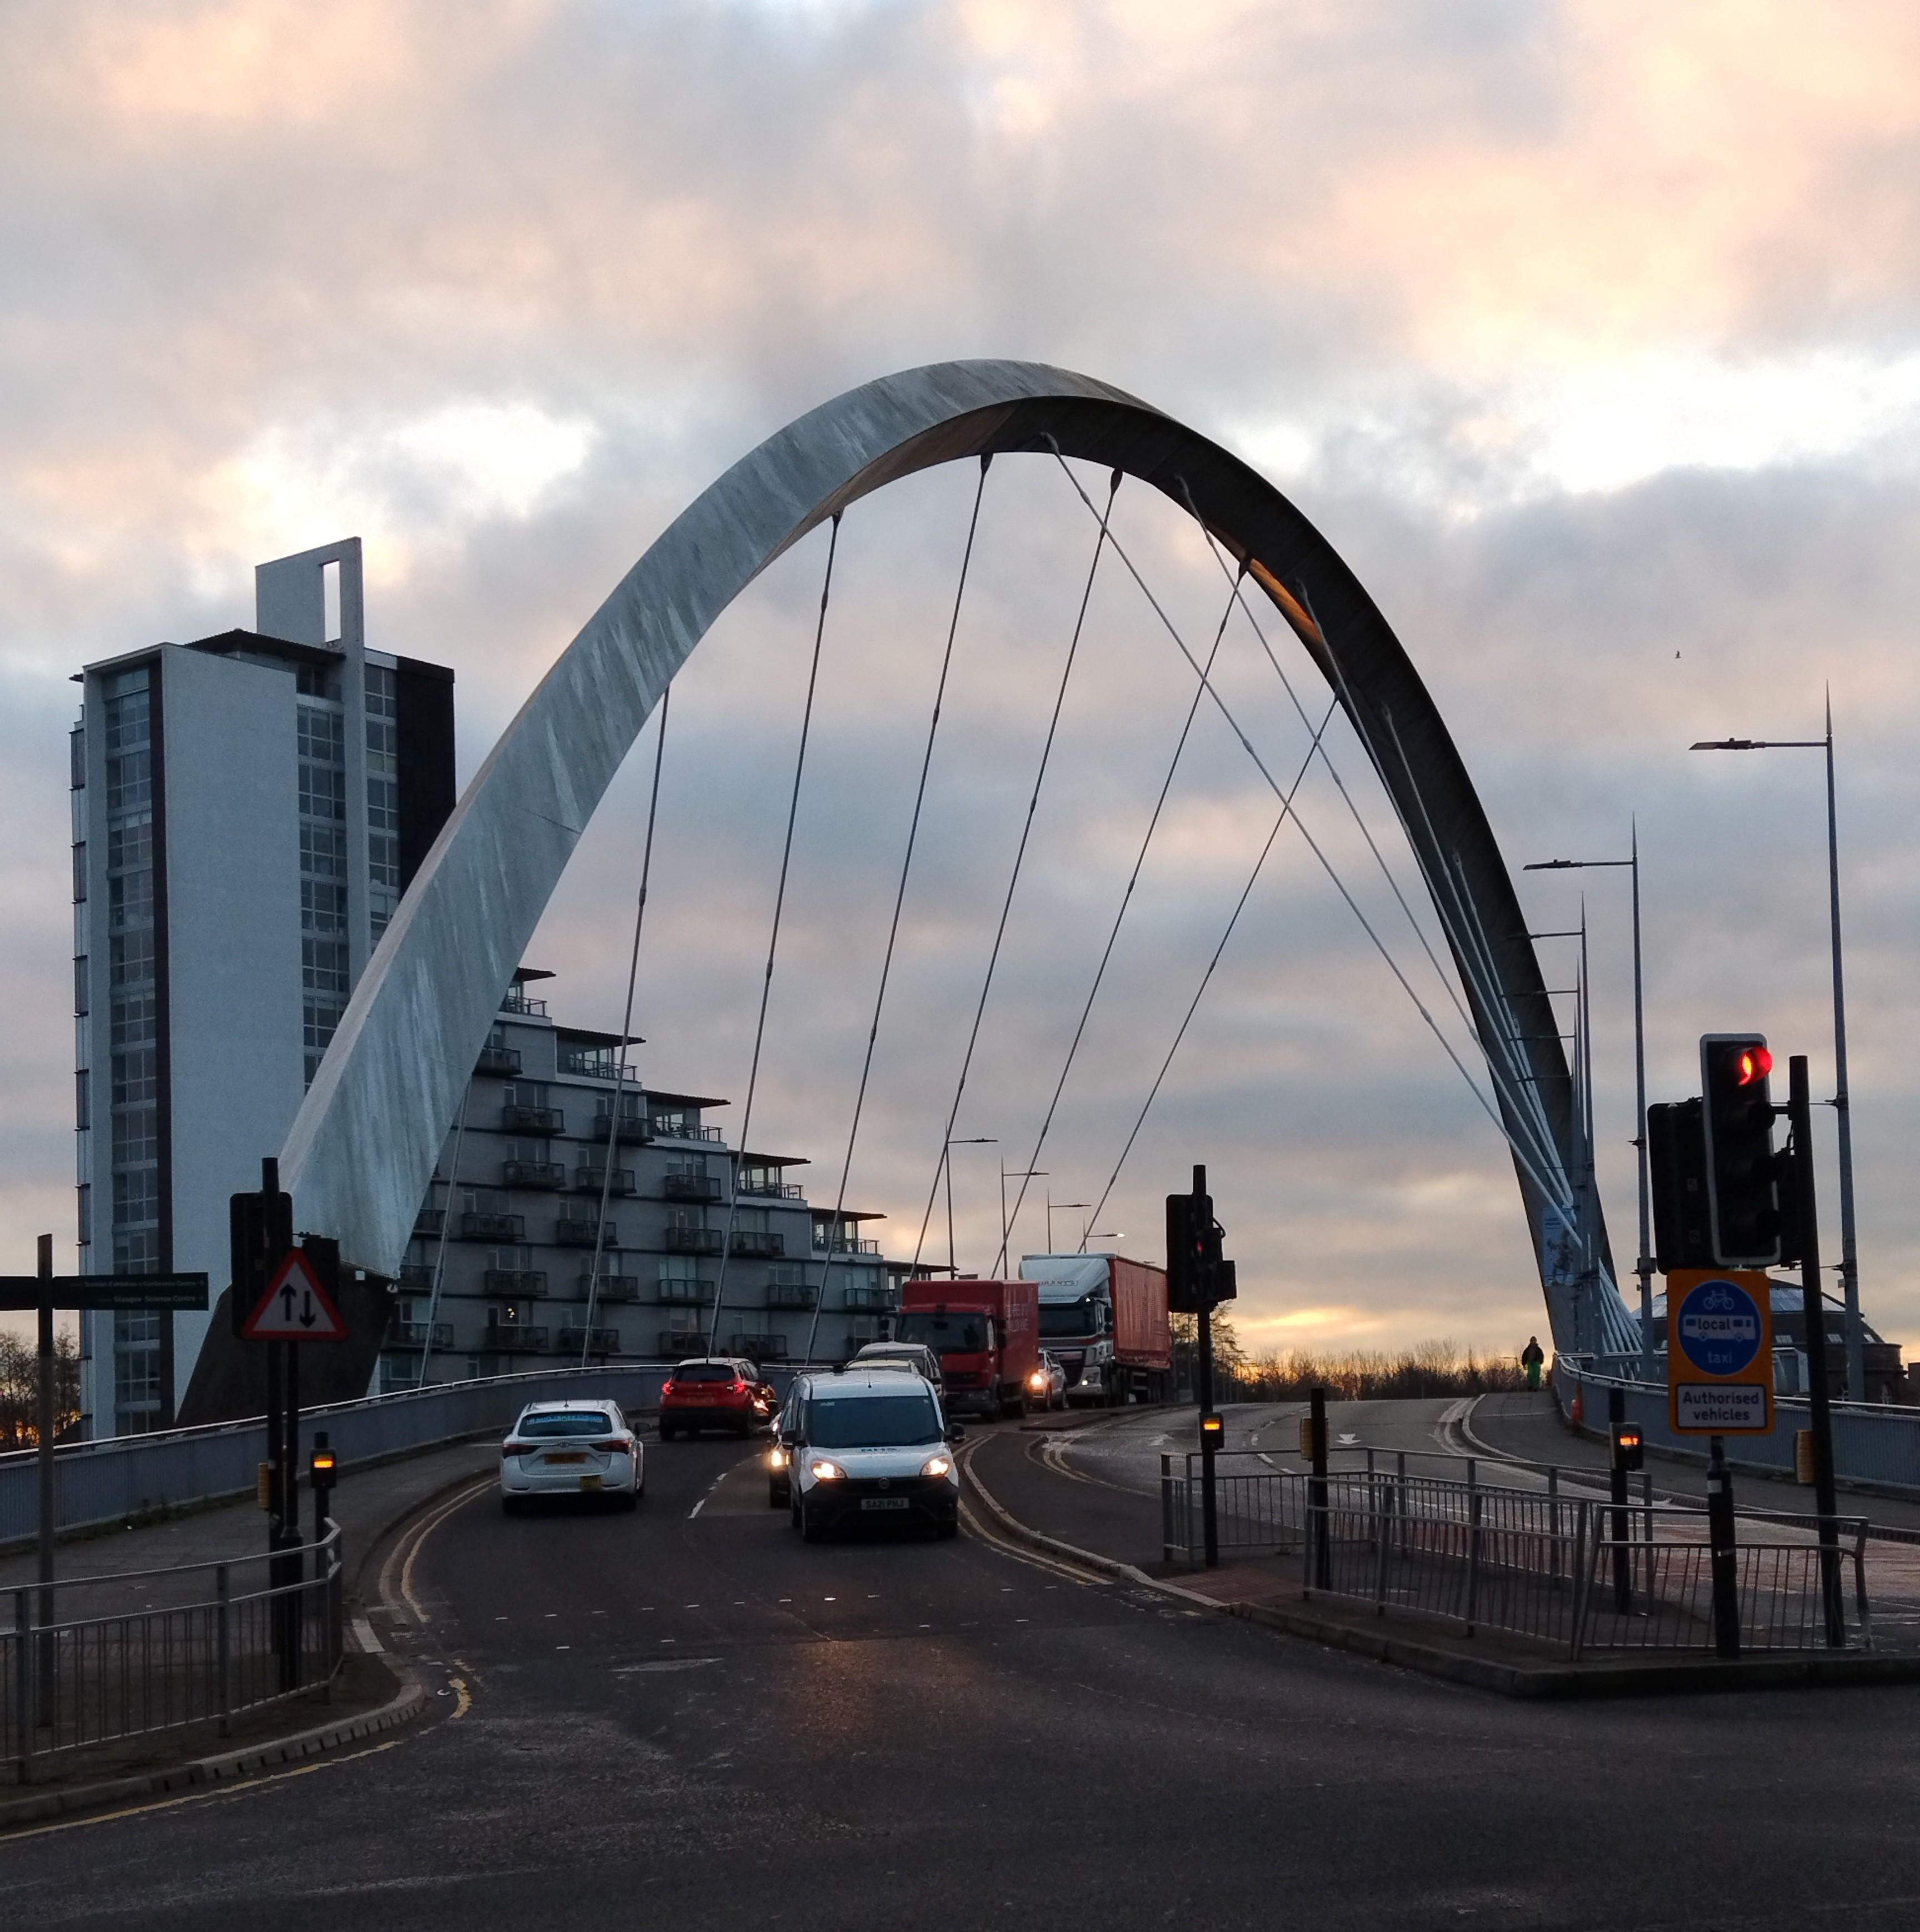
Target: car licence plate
589, 1482
565, 1455
882, 1502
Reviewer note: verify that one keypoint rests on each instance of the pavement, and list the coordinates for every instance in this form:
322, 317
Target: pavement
688, 1717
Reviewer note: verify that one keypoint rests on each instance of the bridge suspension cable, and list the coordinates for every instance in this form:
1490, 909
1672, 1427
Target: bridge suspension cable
773, 936
1104, 517
1100, 971
899, 899
1289, 810
626, 1028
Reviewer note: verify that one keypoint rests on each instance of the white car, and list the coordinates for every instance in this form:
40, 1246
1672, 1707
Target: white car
869, 1447
571, 1449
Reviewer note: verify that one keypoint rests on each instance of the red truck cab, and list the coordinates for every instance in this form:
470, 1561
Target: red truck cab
987, 1335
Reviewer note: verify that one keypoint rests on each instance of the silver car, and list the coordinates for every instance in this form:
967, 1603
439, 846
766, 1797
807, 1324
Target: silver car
572, 1449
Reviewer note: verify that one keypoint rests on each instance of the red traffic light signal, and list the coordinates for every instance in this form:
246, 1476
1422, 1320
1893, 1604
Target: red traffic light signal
1736, 1116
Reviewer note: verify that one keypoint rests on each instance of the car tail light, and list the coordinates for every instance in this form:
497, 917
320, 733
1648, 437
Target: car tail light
519, 1448
618, 1447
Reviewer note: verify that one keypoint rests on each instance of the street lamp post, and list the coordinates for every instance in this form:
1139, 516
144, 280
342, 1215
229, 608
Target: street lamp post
1643, 1263
1052, 1205
1006, 1232
1849, 1273
946, 1159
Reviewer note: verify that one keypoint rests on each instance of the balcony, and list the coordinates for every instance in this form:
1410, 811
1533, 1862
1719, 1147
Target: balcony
415, 1275
843, 1244
570, 1233
498, 1059
589, 1341
792, 1295
516, 1284
773, 1190
879, 1300
514, 1001
592, 1180
758, 1242
677, 1341
759, 1348
511, 1228
693, 1241
515, 1338
532, 1120
415, 1335
677, 1127
691, 1187
612, 1287
692, 1294
533, 1174
633, 1128
428, 1223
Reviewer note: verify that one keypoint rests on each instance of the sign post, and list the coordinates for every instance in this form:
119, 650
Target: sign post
1720, 1383
282, 1295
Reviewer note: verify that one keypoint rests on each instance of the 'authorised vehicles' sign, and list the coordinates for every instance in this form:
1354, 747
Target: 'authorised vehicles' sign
1719, 1352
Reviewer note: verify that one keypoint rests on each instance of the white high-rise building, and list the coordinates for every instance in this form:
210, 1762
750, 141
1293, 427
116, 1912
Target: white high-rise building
246, 810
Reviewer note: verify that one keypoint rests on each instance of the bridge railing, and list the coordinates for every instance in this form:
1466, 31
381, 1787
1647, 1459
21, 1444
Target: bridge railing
80, 1670
1568, 1570
1875, 1445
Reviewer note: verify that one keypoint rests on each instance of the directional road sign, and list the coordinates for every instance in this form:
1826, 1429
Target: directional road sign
1719, 1352
295, 1307
106, 1291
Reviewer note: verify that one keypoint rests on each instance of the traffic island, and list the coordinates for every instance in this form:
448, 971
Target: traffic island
1027, 1496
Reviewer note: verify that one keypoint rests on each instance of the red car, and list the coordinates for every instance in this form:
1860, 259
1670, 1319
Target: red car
714, 1392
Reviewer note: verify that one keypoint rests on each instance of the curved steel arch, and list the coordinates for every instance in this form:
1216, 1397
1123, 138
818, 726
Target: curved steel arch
362, 1150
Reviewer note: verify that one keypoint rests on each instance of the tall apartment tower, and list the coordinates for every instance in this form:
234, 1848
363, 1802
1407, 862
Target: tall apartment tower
246, 811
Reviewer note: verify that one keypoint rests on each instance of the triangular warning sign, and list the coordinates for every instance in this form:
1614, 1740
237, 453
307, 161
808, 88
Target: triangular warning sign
295, 1307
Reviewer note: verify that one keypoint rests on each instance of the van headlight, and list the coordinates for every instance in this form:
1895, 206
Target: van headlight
824, 1471
776, 1457
937, 1466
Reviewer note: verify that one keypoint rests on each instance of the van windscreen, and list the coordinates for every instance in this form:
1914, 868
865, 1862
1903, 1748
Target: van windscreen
871, 1422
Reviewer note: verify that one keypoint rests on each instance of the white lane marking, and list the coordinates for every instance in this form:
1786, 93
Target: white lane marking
665, 1663
363, 1635
697, 1508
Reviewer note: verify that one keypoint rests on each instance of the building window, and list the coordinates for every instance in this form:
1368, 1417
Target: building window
323, 851
80, 872
129, 958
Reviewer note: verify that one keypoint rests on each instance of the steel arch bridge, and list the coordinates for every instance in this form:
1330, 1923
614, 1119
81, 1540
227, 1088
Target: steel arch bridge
362, 1149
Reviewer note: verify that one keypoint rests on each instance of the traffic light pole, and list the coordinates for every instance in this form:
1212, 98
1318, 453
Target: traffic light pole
45, 1423
1623, 1572
1209, 1495
1724, 1558
1813, 1321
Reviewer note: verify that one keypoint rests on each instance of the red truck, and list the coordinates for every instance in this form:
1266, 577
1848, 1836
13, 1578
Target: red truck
986, 1333
1104, 1319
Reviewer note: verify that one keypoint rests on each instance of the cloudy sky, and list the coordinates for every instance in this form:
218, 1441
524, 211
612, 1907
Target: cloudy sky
1588, 333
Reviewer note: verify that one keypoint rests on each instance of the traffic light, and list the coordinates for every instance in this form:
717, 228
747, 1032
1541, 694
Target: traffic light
260, 1230
1743, 1208
1629, 1447
1677, 1178
1198, 1275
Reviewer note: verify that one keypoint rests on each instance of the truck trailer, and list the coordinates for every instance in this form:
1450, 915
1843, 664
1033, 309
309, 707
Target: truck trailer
1104, 1319
986, 1334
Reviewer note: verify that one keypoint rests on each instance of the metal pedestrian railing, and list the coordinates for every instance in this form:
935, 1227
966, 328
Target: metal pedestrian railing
1575, 1571
81, 1667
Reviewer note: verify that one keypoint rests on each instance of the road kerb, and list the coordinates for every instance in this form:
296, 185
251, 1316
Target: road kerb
225, 1768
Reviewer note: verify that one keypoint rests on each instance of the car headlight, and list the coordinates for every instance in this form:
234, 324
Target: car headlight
937, 1466
823, 1471
776, 1458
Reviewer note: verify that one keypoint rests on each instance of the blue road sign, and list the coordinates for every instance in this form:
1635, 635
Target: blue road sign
1720, 1326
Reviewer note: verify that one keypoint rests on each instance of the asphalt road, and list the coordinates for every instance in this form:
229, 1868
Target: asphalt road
693, 1720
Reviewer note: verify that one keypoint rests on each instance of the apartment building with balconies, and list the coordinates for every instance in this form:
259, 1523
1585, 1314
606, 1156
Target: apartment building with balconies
576, 1213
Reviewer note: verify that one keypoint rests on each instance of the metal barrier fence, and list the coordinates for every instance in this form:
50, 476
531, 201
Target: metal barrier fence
125, 1476
70, 1683
1874, 1443
1575, 1571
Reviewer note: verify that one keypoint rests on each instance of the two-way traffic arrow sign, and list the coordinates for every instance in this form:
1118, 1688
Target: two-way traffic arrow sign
295, 1307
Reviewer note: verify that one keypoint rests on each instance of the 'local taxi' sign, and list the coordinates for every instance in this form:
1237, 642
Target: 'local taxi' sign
1719, 1352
